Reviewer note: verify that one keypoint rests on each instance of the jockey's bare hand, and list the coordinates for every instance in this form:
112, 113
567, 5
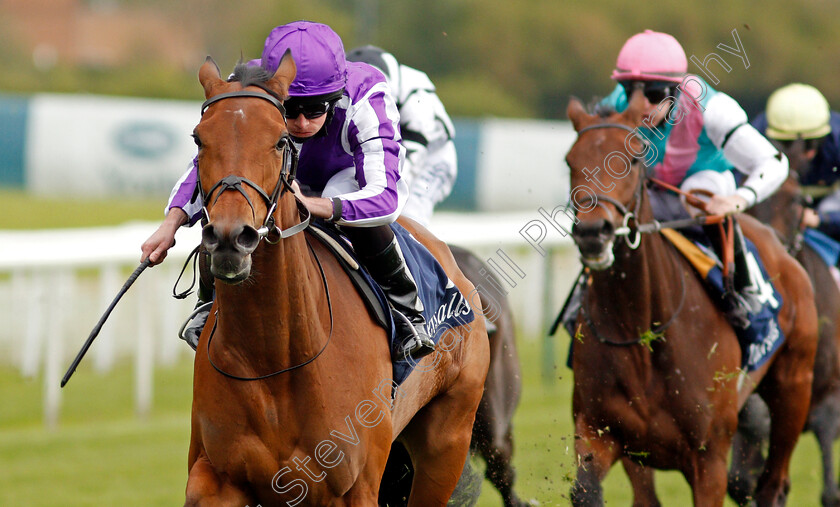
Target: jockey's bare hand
810, 218
318, 206
726, 204
163, 238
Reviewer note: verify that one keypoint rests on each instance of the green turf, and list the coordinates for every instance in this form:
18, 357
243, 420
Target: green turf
19, 210
101, 454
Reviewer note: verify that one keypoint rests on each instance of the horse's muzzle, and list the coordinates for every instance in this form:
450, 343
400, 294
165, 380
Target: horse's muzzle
595, 239
230, 252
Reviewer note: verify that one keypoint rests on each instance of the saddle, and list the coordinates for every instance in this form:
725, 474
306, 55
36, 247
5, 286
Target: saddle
763, 336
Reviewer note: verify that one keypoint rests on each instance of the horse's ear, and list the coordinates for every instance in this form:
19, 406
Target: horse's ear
635, 111
284, 75
576, 112
209, 76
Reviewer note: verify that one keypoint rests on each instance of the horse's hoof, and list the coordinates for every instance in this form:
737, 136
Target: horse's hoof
517, 502
831, 500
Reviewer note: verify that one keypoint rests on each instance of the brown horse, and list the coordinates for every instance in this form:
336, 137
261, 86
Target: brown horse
656, 365
493, 430
316, 423
492, 436
783, 211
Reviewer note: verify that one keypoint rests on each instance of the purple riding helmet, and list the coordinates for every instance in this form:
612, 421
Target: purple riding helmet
319, 56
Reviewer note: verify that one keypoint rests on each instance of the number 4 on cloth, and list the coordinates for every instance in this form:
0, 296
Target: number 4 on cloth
758, 284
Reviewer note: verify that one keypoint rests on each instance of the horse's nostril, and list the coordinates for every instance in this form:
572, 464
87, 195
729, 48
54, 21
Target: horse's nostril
209, 237
607, 228
247, 239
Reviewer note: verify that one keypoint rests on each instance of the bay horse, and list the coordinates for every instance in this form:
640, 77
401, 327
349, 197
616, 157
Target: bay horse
492, 436
657, 378
783, 212
293, 396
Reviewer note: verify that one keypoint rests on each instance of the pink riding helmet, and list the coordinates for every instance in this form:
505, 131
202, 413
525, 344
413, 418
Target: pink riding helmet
651, 56
318, 53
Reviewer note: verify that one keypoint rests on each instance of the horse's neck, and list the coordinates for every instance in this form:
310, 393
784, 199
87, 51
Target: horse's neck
782, 211
639, 289
277, 313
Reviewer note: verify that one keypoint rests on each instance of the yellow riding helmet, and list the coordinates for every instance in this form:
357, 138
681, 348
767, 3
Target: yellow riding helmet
797, 110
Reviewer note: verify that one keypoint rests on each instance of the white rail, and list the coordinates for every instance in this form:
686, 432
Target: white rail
55, 284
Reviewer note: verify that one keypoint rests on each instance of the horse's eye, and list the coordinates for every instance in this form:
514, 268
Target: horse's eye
281, 144
197, 140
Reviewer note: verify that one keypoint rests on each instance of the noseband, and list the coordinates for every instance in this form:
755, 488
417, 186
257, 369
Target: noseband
269, 230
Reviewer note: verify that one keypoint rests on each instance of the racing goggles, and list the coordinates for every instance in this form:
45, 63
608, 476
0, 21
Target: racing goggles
310, 110
654, 91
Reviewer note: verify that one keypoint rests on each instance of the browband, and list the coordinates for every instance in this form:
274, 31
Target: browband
244, 93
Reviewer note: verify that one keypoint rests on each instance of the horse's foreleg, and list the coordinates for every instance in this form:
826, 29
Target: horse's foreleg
823, 422
596, 452
787, 391
747, 449
708, 481
641, 479
496, 447
204, 489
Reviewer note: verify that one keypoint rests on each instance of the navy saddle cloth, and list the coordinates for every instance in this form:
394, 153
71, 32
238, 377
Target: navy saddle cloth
444, 307
763, 336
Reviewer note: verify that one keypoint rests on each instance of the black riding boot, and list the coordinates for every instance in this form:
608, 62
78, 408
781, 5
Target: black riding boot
191, 330
740, 296
387, 266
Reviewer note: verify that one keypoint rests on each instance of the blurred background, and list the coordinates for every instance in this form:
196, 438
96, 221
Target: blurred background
97, 102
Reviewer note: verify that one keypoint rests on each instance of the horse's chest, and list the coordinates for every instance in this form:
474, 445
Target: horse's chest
274, 456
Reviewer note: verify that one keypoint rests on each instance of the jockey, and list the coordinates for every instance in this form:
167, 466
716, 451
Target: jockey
697, 136
346, 126
431, 164
799, 122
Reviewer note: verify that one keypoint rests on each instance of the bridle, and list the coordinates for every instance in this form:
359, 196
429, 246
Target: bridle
654, 225
269, 230
625, 231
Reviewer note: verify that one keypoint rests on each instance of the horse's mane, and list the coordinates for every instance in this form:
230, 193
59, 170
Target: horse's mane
249, 74
601, 109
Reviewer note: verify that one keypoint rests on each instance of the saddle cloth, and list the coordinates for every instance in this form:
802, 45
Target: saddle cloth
763, 336
825, 246
444, 307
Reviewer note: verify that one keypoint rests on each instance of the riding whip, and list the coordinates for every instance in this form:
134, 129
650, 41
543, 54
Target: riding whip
93, 334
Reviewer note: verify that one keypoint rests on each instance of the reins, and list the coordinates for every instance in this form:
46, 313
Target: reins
796, 240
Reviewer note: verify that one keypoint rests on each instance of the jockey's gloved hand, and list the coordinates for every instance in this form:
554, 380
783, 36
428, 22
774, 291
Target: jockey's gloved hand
726, 204
810, 218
